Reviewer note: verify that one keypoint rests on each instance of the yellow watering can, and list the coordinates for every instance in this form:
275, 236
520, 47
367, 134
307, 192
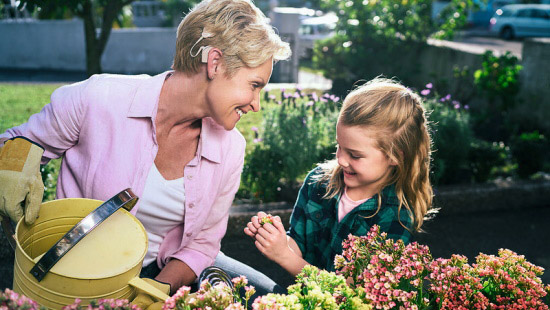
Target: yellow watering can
81, 248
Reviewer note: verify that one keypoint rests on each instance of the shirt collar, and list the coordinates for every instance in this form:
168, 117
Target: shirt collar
147, 93
210, 140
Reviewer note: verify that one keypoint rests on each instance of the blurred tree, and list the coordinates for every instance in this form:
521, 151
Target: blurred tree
95, 14
176, 9
382, 36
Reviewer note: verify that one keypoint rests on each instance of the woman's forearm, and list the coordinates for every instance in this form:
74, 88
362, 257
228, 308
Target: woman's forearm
177, 274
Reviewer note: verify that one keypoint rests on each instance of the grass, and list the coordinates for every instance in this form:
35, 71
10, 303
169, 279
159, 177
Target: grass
19, 101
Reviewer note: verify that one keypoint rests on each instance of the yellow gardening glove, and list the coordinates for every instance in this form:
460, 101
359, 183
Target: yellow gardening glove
21, 186
145, 301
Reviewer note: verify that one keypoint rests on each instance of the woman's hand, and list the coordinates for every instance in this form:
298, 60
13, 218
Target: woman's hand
271, 241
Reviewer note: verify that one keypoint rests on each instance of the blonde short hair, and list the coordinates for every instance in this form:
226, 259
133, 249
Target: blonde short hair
240, 30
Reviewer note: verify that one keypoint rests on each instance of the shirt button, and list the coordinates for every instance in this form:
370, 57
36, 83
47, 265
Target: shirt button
188, 234
318, 216
189, 177
191, 205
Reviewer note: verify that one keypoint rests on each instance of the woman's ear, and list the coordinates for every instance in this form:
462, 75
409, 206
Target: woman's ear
214, 62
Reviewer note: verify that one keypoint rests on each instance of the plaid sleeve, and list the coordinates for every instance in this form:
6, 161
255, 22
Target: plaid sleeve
297, 229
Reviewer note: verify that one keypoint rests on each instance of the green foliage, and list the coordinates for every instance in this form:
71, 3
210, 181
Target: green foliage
382, 37
530, 149
320, 289
297, 132
498, 82
175, 10
452, 137
499, 79
485, 158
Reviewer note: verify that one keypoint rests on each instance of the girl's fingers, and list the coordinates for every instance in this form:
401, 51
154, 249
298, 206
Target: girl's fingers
255, 222
261, 239
265, 233
279, 226
248, 232
252, 228
260, 247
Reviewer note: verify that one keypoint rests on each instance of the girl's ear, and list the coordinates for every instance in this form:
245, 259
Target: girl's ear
214, 63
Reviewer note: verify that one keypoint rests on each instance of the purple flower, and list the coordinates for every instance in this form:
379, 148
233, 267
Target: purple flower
297, 95
314, 97
425, 92
310, 103
466, 107
299, 88
258, 140
446, 98
254, 128
286, 95
279, 102
272, 97
429, 85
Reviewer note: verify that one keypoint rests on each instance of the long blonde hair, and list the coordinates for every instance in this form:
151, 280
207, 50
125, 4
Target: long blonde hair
397, 117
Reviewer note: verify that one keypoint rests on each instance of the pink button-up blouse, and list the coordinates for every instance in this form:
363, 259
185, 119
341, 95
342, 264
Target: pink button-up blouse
104, 128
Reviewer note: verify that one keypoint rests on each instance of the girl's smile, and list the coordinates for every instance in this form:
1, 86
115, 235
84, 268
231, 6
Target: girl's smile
364, 165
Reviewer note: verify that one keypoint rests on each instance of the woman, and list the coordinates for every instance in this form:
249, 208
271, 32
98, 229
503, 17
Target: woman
169, 137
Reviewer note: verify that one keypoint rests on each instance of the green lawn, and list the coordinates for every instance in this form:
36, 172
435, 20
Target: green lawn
19, 101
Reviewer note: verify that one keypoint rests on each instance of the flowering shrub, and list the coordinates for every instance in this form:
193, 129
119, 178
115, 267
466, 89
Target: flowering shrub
320, 289
217, 297
102, 304
13, 301
389, 273
298, 131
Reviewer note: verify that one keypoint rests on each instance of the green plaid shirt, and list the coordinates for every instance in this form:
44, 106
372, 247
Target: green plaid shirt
315, 228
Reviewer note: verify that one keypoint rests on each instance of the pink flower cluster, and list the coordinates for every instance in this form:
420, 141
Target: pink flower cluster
13, 301
511, 282
390, 274
454, 284
102, 304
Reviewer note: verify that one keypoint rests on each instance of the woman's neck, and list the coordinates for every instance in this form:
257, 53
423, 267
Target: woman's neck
181, 101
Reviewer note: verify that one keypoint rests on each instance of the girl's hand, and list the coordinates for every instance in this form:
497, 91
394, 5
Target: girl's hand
252, 227
271, 241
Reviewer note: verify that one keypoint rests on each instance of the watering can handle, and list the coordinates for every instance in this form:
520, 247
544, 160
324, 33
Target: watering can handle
126, 199
149, 289
9, 232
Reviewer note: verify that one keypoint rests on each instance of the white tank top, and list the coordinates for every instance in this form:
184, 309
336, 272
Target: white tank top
161, 208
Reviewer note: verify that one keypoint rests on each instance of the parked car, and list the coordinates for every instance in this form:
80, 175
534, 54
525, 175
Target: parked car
521, 20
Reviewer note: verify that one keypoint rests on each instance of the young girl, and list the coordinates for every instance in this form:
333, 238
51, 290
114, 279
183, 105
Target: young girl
380, 176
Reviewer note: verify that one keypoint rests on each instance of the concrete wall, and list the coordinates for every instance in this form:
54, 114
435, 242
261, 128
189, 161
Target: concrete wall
535, 82
59, 45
